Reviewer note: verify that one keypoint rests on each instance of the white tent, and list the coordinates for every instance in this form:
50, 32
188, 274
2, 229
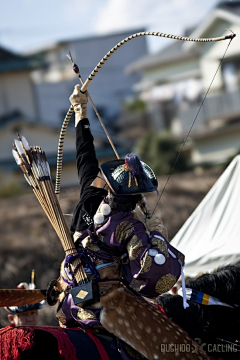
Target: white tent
211, 235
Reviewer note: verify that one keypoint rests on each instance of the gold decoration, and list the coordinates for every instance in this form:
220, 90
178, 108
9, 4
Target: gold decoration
137, 284
161, 245
133, 353
60, 316
181, 257
146, 263
86, 243
85, 314
82, 294
165, 283
100, 237
93, 247
129, 179
120, 169
134, 247
124, 230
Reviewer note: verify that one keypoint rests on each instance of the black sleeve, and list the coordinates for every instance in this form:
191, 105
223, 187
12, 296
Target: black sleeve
87, 166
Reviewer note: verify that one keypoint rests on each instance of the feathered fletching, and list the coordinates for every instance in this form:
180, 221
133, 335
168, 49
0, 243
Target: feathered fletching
32, 161
19, 147
16, 157
25, 143
27, 180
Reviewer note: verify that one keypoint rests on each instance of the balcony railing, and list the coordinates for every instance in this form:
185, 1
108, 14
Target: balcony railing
225, 106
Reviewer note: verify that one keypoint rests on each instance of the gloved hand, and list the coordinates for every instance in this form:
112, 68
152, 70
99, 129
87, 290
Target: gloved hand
154, 223
79, 101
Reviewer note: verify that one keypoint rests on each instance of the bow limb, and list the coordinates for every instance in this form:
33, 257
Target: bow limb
95, 71
60, 150
175, 37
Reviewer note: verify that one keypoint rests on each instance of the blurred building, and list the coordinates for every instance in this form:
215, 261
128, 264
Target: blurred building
17, 104
16, 87
54, 79
34, 98
175, 81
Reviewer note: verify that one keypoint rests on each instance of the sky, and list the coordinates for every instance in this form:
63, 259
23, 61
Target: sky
26, 25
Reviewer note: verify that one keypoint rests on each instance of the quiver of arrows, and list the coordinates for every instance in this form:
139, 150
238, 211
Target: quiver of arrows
36, 170
34, 165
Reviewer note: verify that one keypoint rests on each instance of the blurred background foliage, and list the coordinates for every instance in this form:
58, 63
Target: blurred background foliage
161, 151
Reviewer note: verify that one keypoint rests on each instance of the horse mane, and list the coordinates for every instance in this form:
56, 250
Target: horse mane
223, 283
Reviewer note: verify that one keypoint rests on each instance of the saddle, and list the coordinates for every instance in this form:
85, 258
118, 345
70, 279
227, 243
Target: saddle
139, 323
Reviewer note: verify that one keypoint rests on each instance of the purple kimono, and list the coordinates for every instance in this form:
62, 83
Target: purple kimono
147, 262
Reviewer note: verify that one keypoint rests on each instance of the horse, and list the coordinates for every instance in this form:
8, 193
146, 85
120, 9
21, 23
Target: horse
215, 328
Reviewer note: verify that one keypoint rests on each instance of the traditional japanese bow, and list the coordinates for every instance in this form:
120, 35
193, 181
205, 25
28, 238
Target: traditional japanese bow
94, 73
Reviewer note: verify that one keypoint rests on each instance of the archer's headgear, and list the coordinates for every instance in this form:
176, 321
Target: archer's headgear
21, 309
129, 176
27, 307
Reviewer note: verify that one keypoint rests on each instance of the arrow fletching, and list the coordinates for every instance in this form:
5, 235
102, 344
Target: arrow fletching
19, 147
25, 143
16, 157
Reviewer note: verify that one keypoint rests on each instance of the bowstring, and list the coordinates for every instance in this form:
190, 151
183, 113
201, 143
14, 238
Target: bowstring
185, 140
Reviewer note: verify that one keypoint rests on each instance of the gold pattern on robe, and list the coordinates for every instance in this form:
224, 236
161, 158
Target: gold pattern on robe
146, 263
86, 243
137, 284
124, 230
165, 283
93, 247
85, 314
181, 257
133, 353
134, 247
60, 316
100, 237
161, 245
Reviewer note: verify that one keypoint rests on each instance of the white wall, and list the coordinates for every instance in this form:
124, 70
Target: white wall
44, 137
216, 149
17, 93
108, 89
212, 53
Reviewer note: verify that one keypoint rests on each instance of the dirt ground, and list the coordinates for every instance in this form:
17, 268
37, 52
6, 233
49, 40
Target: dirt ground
28, 241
